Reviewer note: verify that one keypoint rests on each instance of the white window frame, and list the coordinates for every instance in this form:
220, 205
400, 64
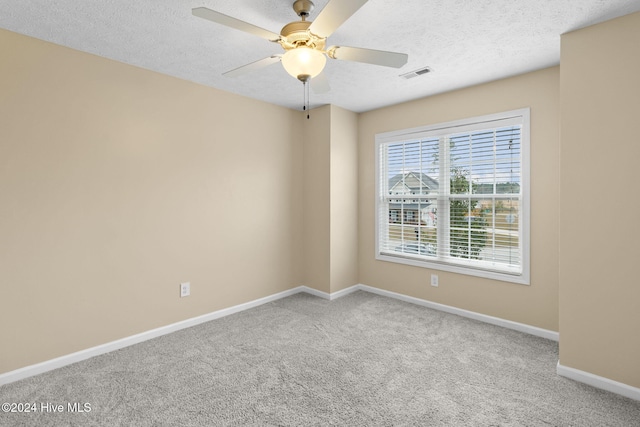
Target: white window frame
521, 117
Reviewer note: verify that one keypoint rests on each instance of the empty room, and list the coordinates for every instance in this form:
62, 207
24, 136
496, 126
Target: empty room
327, 212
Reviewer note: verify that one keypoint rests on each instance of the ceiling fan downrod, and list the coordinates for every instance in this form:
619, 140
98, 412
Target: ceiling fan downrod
303, 8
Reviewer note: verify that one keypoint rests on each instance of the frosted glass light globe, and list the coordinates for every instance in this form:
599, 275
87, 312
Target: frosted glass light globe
304, 62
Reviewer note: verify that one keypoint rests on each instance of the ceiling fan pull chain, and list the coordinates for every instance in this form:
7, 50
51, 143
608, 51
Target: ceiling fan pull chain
306, 86
305, 89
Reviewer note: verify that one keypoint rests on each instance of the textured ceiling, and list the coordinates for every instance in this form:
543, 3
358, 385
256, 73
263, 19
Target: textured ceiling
465, 42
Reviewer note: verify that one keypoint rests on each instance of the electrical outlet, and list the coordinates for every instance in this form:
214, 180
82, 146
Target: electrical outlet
434, 280
185, 289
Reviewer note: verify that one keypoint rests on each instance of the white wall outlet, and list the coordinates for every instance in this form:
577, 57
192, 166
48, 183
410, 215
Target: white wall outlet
185, 289
434, 280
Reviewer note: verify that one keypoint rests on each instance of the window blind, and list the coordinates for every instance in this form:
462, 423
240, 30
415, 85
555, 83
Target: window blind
455, 196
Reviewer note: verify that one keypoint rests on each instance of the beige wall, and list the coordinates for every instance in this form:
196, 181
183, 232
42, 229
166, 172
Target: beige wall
331, 207
599, 231
536, 304
317, 195
117, 184
344, 201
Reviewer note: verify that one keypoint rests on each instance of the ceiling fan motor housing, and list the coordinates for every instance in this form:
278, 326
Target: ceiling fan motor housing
296, 34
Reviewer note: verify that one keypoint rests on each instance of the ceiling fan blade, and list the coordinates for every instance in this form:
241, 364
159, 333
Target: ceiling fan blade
370, 56
333, 15
220, 18
254, 66
320, 84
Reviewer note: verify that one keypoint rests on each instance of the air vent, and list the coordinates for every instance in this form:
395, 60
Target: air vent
416, 73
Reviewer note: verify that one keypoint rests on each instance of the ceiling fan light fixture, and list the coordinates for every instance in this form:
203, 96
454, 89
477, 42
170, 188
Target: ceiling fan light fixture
304, 62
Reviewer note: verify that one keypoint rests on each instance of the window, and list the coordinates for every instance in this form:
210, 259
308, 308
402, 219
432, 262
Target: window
455, 196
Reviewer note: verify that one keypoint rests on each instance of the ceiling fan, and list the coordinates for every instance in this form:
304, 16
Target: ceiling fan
305, 42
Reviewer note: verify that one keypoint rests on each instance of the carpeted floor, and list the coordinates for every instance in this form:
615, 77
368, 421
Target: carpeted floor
361, 360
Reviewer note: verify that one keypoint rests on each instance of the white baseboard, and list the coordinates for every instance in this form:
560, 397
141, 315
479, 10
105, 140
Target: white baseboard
59, 362
314, 292
599, 382
521, 327
574, 374
347, 291
331, 296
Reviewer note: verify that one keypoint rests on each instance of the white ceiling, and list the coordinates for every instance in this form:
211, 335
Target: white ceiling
465, 42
